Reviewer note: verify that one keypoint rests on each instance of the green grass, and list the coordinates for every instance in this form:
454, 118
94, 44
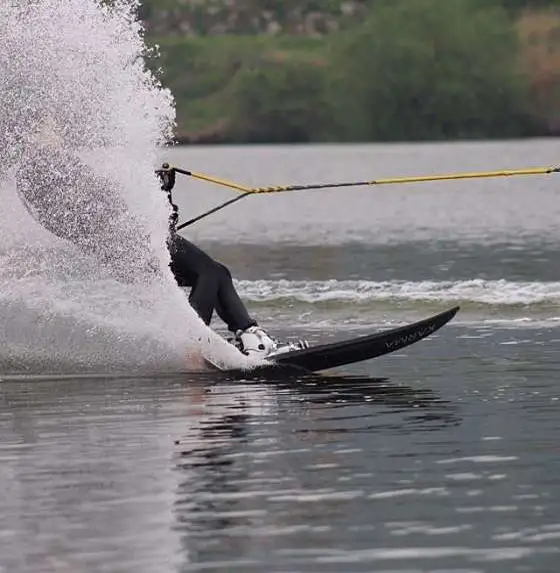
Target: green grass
201, 72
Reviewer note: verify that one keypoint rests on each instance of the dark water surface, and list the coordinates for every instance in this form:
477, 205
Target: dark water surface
451, 463
444, 457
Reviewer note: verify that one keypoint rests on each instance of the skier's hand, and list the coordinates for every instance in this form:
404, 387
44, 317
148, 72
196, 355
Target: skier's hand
167, 177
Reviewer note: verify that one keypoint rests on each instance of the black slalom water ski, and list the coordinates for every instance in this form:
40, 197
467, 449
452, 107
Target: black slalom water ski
335, 354
325, 356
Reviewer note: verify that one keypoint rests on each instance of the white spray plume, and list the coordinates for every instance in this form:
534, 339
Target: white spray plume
74, 72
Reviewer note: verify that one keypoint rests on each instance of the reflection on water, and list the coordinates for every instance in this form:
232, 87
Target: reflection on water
105, 470
336, 473
243, 476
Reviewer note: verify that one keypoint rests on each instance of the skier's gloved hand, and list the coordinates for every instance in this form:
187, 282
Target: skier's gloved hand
167, 177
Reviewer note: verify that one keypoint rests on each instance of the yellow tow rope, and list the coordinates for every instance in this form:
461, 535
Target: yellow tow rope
215, 180
387, 181
245, 190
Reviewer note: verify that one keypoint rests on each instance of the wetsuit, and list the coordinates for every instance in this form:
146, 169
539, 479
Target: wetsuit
211, 283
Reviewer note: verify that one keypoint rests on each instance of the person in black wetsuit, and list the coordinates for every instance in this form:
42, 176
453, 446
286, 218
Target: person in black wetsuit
211, 283
74, 203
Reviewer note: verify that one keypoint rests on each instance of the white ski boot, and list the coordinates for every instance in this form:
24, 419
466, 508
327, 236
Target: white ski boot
256, 342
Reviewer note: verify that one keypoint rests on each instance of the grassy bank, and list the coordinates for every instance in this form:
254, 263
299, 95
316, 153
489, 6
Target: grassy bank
208, 76
414, 69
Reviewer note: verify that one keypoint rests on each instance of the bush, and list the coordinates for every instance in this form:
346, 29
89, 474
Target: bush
245, 88
427, 69
279, 102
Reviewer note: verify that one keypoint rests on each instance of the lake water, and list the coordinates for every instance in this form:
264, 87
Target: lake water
443, 457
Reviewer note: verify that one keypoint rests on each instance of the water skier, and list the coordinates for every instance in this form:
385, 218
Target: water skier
92, 216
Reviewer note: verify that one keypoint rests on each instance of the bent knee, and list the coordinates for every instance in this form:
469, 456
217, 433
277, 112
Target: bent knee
213, 272
222, 272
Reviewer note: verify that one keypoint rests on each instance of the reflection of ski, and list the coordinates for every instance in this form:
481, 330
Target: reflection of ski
336, 354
